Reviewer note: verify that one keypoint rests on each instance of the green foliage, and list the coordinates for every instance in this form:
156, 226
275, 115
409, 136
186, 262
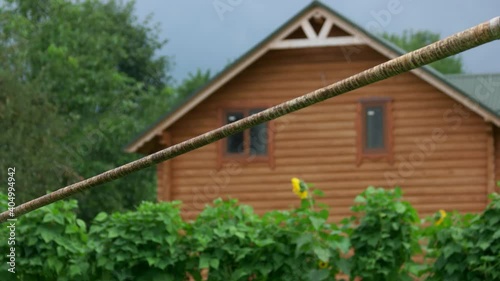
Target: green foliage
96, 63
31, 128
140, 245
466, 247
412, 40
222, 238
236, 244
228, 241
192, 83
51, 244
385, 238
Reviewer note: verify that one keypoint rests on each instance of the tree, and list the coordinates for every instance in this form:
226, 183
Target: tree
31, 128
98, 65
412, 40
193, 82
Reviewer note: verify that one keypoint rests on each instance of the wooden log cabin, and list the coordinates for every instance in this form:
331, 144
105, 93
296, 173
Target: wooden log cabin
418, 130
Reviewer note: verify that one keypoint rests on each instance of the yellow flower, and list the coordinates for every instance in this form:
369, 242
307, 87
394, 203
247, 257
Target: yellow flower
303, 195
442, 216
299, 188
322, 264
296, 186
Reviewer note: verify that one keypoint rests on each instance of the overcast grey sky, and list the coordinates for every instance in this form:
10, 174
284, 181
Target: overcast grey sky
200, 35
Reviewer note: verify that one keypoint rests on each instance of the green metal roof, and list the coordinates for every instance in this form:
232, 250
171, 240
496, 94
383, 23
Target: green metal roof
315, 4
481, 88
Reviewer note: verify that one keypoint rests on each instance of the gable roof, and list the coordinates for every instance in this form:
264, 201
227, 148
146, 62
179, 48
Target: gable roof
381, 45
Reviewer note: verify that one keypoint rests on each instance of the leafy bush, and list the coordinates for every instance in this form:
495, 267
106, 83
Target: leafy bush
466, 247
50, 244
140, 245
385, 239
236, 244
317, 245
229, 241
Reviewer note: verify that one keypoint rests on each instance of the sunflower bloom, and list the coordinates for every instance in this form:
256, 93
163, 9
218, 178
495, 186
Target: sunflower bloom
303, 195
442, 216
322, 264
299, 188
296, 186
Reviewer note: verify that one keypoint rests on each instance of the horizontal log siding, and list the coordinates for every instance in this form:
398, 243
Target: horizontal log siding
317, 144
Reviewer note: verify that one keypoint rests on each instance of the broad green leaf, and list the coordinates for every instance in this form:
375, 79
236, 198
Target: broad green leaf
75, 270
204, 261
101, 217
344, 265
264, 242
484, 244
214, 263
400, 207
318, 192
112, 233
170, 239
81, 224
344, 244
239, 273
322, 254
303, 239
360, 199
317, 222
318, 274
48, 234
323, 214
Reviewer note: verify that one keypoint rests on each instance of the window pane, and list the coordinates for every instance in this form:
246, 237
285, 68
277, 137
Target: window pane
374, 127
235, 142
258, 137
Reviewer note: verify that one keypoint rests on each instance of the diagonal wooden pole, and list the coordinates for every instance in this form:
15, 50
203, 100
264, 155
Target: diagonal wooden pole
465, 40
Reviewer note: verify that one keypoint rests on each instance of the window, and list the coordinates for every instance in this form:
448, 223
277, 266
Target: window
374, 129
250, 145
235, 143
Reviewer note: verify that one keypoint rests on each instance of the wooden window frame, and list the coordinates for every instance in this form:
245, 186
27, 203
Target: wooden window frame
376, 154
244, 158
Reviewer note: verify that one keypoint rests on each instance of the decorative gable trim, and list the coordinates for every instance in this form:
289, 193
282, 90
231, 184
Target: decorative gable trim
316, 30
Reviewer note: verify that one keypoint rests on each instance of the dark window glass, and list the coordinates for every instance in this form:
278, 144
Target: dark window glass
234, 142
258, 137
374, 127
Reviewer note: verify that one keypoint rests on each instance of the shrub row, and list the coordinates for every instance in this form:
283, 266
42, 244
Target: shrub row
229, 241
